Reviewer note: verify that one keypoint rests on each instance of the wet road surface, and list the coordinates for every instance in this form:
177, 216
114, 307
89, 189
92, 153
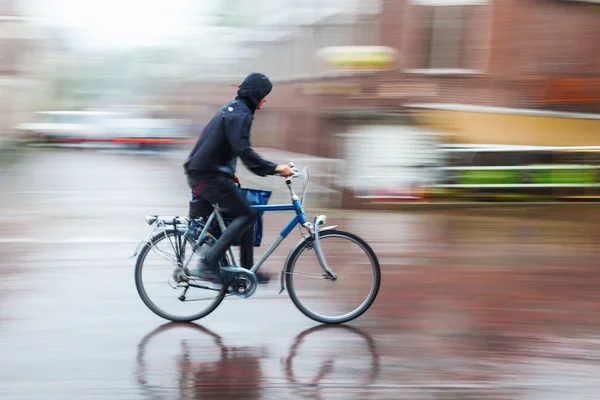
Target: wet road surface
482, 303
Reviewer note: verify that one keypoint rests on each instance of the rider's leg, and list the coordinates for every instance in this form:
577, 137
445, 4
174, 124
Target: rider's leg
246, 255
223, 192
247, 249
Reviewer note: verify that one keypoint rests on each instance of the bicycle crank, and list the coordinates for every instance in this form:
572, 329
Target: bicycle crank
242, 282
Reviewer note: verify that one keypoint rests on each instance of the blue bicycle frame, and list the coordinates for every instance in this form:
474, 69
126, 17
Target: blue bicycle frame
299, 218
295, 206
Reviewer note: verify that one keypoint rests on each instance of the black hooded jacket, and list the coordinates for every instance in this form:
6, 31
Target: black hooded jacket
227, 136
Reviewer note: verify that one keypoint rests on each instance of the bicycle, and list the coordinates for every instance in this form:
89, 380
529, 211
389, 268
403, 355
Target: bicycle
179, 233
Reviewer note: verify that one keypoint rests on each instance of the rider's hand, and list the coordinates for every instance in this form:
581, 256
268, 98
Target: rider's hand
236, 178
284, 170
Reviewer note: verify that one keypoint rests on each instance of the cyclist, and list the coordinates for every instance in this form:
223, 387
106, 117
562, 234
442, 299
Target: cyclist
211, 173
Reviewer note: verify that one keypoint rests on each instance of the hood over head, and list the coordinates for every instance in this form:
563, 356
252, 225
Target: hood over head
254, 88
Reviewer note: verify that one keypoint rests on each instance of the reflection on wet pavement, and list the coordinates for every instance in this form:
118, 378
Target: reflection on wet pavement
318, 360
331, 362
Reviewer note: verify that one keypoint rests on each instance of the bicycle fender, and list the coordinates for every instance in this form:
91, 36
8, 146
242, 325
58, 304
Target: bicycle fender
137, 249
149, 241
328, 228
300, 243
146, 242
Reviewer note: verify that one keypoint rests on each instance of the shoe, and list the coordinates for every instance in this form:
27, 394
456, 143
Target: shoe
263, 277
205, 272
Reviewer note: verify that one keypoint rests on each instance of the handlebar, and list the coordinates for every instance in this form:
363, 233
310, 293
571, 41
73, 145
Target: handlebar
295, 172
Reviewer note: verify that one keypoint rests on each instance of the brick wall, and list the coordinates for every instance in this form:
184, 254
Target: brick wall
516, 44
391, 23
538, 41
549, 37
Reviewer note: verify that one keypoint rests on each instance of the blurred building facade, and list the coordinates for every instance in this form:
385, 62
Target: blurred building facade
512, 72
23, 68
472, 68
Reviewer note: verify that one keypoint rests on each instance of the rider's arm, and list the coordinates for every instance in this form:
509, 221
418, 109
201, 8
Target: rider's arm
238, 134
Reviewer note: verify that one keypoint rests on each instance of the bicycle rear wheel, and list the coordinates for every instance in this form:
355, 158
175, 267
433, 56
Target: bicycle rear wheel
158, 290
333, 302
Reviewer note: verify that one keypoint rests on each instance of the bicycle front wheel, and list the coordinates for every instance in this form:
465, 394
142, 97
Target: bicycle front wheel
334, 302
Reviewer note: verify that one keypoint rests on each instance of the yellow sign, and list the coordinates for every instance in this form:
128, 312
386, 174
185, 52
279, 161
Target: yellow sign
360, 58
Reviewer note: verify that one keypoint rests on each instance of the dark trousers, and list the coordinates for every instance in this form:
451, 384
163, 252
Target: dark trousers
223, 192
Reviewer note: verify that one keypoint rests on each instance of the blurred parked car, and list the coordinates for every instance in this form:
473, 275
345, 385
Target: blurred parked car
103, 129
64, 126
148, 133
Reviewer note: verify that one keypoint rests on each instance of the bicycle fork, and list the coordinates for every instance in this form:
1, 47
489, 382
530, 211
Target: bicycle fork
320, 220
314, 231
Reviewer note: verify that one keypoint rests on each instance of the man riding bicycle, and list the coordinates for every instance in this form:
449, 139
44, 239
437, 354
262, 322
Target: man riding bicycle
211, 174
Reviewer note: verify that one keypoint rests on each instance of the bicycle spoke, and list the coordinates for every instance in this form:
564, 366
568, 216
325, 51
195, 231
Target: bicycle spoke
162, 295
317, 276
162, 253
172, 246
